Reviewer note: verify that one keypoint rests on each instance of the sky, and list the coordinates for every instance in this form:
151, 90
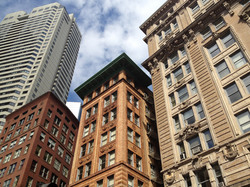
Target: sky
108, 28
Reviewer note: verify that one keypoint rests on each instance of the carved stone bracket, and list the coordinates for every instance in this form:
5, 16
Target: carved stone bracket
179, 83
184, 105
230, 151
192, 35
197, 162
189, 131
153, 66
169, 177
228, 7
245, 14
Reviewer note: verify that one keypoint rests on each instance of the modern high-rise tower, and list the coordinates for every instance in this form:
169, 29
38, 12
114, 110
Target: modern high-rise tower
38, 54
199, 63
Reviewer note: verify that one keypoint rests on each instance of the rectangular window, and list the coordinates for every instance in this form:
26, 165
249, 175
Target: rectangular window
177, 123
17, 153
33, 166
114, 97
183, 94
100, 183
91, 146
238, 59
79, 173
138, 163
178, 74
83, 150
51, 144
206, 33
130, 134
246, 81
38, 150
112, 134
182, 151
54, 178
105, 118
169, 81
244, 121
188, 116
93, 126
113, 114
138, 140
7, 183
228, 40
47, 157
60, 151
65, 171
111, 158
65, 128
129, 97
16, 181
195, 145
217, 172
57, 121
95, 109
174, 57
208, 139
88, 113
193, 87
106, 101
111, 181
130, 115
233, 93
22, 139
167, 30
202, 177
102, 161
86, 131
54, 131
44, 172
213, 50
130, 158
200, 111
172, 100
222, 69
130, 181
140, 184
194, 7
104, 139
187, 67
137, 120
136, 102
12, 168
57, 165
219, 23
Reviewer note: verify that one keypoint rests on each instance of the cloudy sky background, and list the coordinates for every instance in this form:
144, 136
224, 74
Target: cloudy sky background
108, 27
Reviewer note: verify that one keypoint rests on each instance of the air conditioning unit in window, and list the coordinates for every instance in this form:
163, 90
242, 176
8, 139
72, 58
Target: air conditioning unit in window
221, 184
196, 150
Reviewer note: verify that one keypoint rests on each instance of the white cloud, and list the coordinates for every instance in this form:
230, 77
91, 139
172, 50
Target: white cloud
108, 27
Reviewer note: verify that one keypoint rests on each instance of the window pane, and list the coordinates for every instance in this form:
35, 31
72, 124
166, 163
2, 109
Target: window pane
189, 116
233, 93
238, 59
178, 74
244, 121
228, 40
246, 81
209, 139
222, 69
214, 50
183, 94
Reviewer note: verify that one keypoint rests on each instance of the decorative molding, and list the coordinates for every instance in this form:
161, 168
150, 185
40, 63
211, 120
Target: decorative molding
228, 8
230, 152
245, 14
184, 105
189, 131
179, 83
197, 162
169, 177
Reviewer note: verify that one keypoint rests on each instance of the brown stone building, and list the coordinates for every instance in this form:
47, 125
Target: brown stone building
199, 63
37, 144
117, 139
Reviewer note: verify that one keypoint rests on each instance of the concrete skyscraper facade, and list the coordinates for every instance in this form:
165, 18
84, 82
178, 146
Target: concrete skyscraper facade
199, 63
38, 54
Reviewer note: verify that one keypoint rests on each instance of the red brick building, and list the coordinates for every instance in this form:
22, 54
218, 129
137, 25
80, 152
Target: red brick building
117, 140
37, 144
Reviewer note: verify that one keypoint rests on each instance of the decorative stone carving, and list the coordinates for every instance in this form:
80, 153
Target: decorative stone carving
189, 131
245, 14
228, 7
169, 176
230, 151
184, 104
179, 83
153, 66
192, 35
185, 38
197, 162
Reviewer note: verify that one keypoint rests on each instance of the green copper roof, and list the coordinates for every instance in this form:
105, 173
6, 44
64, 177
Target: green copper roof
123, 62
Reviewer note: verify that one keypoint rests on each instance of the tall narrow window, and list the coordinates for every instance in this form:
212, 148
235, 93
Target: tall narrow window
138, 163
244, 121
104, 139
182, 151
169, 81
112, 134
193, 87
111, 158
172, 99
208, 139
111, 181
222, 69
200, 110
130, 158
177, 123
130, 134
130, 181
183, 94
213, 50
217, 172
91, 146
228, 40
178, 74
86, 131
238, 59
138, 140
233, 93
87, 169
188, 116
195, 145
79, 173
102, 161
202, 177
130, 115
113, 114
83, 150
246, 81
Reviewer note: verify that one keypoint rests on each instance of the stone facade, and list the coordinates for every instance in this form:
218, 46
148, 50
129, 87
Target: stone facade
199, 63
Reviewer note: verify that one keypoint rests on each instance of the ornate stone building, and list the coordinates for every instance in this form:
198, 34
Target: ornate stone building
117, 143
199, 63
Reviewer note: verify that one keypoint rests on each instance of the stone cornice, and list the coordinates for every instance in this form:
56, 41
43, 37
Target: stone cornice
186, 35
